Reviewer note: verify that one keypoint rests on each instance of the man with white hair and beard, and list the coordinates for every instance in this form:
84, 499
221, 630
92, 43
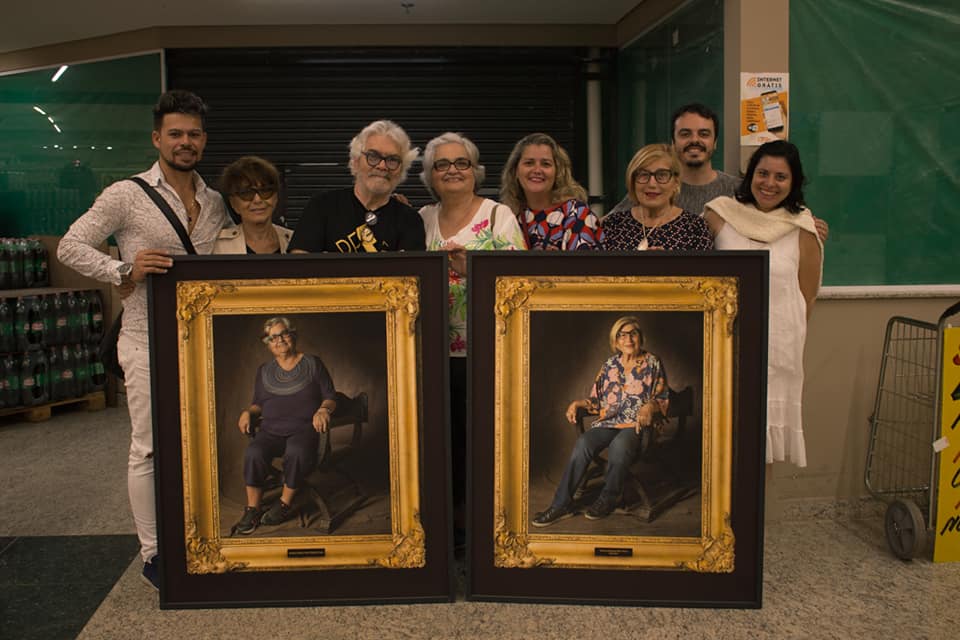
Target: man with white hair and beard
365, 218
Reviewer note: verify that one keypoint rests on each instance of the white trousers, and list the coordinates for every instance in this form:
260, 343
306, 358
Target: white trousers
134, 357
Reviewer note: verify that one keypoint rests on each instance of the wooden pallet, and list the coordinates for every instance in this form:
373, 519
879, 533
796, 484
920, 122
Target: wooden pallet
39, 412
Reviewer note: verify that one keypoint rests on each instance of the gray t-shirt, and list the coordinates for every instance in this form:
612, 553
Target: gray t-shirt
693, 197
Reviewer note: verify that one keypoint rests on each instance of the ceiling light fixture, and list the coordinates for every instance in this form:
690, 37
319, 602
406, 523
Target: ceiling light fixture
59, 73
57, 128
39, 110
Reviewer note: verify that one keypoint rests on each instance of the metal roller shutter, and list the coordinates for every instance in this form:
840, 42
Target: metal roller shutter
299, 107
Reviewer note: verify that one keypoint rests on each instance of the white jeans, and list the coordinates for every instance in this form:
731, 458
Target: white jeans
134, 357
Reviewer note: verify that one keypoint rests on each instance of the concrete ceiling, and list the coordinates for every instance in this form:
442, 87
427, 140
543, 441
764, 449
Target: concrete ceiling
26, 25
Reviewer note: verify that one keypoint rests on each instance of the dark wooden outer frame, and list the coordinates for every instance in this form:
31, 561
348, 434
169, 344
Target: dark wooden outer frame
741, 587
433, 582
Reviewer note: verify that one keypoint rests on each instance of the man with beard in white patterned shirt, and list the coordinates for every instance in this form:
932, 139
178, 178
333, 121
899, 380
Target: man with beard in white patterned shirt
147, 240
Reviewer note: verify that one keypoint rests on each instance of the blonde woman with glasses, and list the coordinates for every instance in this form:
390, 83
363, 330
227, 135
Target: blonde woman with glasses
537, 183
655, 222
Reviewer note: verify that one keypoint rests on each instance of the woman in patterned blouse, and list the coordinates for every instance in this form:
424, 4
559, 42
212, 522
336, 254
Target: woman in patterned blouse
629, 395
538, 184
654, 221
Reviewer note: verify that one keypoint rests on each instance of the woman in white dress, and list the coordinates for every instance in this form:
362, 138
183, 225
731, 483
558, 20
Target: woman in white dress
768, 212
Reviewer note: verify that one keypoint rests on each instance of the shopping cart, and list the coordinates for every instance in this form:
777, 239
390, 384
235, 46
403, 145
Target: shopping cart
901, 466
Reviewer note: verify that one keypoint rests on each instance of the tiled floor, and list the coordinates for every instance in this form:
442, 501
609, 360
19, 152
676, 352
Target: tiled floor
68, 568
51, 585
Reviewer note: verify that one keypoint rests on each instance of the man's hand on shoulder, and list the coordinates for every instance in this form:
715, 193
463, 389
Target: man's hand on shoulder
823, 229
150, 261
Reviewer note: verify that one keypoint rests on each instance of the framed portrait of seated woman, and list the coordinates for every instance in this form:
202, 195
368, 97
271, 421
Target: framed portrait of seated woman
618, 427
300, 445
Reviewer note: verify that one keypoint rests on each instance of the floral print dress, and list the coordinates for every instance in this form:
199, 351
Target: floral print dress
619, 392
477, 235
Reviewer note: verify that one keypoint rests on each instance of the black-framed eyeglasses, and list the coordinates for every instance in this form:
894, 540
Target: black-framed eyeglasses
443, 165
374, 158
271, 338
633, 333
662, 176
248, 194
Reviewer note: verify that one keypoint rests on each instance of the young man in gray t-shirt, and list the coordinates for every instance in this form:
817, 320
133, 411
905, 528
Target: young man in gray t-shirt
695, 129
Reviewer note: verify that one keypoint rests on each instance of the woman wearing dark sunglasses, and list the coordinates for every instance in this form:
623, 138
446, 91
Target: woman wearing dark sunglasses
654, 221
251, 187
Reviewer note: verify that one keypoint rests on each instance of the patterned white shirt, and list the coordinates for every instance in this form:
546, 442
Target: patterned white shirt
126, 212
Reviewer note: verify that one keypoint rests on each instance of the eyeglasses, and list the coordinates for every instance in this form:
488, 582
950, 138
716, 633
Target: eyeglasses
265, 193
633, 333
374, 158
271, 338
462, 164
662, 176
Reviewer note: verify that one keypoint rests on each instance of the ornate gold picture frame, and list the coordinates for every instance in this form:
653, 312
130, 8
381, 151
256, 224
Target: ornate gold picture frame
374, 311
198, 303
516, 543
544, 321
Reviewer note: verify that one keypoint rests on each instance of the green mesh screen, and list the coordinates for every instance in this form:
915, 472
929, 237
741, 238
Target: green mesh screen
875, 100
103, 112
678, 62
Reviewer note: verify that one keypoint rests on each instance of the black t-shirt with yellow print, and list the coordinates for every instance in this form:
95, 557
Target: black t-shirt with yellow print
336, 221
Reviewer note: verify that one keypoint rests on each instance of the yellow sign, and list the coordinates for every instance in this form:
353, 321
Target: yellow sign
947, 530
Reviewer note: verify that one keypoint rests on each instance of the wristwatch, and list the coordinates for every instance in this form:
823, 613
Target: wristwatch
125, 270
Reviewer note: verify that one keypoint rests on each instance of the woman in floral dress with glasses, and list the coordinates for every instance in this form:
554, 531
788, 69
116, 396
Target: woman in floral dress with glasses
461, 221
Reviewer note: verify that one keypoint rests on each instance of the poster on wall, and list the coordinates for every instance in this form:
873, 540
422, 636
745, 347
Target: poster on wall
946, 546
764, 101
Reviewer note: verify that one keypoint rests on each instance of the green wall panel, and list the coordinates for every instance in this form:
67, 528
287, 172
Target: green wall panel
875, 98
677, 62
103, 110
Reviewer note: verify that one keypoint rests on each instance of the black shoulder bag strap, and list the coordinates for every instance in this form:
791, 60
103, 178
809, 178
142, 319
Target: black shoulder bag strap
108, 345
168, 212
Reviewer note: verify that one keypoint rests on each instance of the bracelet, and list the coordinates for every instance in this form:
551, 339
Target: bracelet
324, 409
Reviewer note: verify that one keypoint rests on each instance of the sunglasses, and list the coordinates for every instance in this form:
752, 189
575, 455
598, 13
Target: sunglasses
374, 158
248, 194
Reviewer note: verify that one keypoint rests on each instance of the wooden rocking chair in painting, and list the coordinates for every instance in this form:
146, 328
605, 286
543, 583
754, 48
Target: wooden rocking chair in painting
331, 494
